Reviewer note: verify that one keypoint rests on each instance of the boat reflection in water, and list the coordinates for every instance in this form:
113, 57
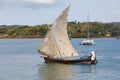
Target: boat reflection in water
57, 71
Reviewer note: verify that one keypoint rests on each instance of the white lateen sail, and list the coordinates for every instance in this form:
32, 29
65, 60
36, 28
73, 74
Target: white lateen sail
56, 43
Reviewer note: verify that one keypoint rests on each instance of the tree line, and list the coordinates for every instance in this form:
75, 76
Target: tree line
75, 29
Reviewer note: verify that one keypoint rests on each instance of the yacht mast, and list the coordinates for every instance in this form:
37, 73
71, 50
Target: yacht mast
88, 25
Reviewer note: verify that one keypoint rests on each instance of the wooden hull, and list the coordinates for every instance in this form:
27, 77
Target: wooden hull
75, 61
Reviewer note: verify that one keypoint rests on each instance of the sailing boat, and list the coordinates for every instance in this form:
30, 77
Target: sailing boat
56, 46
88, 41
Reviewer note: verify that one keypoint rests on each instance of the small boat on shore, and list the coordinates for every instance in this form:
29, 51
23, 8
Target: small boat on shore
57, 48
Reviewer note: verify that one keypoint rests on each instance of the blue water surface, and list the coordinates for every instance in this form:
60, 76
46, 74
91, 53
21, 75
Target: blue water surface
19, 60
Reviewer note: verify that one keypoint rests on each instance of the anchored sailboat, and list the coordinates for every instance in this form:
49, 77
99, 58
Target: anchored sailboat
57, 47
88, 41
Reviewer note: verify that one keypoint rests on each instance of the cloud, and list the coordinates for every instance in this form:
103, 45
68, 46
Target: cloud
41, 1
26, 3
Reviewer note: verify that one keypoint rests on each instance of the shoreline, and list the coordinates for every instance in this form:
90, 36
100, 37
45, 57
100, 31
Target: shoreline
43, 38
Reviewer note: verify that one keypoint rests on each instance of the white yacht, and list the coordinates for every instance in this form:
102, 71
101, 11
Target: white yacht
88, 40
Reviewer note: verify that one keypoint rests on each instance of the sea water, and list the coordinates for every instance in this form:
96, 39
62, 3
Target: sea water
19, 60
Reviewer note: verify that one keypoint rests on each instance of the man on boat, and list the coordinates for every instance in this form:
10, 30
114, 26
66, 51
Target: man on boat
93, 56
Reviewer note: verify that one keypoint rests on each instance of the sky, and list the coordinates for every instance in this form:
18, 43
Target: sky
36, 12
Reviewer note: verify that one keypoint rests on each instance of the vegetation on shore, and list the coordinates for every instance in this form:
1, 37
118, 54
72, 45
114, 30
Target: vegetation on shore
75, 29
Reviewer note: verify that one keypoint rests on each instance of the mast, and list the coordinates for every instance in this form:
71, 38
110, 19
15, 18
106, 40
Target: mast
88, 25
